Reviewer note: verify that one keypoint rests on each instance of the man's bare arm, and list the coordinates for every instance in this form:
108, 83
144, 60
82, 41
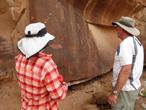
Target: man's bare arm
123, 77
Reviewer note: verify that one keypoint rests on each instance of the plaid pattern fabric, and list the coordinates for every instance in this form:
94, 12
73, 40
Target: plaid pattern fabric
40, 82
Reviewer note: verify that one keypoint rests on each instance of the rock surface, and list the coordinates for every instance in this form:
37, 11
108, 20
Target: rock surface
85, 40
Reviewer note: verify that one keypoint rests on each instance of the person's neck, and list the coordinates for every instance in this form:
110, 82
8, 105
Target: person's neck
124, 36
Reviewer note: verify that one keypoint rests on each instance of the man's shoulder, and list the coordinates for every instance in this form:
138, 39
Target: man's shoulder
47, 60
18, 56
44, 56
128, 40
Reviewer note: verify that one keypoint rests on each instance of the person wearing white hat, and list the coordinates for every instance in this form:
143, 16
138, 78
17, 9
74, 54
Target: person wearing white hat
128, 66
40, 83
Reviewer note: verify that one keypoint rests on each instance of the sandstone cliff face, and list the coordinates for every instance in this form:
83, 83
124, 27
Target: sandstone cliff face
13, 18
85, 40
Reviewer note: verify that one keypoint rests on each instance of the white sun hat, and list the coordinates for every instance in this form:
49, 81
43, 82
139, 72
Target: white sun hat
128, 24
36, 38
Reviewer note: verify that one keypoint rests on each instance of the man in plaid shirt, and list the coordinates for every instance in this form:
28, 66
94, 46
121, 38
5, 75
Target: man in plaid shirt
40, 82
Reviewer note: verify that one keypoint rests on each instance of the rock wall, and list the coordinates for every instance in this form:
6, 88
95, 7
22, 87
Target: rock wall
13, 18
85, 39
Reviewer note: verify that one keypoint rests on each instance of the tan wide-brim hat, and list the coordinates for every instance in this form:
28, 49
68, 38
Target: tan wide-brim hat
128, 24
36, 38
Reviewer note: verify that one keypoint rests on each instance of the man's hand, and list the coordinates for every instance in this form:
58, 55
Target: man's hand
112, 99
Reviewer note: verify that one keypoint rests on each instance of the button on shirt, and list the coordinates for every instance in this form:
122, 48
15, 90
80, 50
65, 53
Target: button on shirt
40, 82
124, 57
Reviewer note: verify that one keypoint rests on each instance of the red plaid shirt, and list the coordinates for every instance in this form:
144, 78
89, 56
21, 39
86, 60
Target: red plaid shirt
41, 84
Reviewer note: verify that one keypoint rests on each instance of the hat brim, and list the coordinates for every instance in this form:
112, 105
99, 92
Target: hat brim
31, 46
132, 30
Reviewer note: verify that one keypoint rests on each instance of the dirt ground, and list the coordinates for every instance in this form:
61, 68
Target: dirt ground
87, 96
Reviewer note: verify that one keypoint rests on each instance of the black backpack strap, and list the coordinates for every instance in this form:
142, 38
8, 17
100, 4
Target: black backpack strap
133, 62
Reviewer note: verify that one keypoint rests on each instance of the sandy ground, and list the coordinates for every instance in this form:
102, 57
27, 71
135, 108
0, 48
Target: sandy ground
87, 96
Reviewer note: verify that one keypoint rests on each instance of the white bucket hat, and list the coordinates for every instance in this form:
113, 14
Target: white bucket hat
36, 38
128, 24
